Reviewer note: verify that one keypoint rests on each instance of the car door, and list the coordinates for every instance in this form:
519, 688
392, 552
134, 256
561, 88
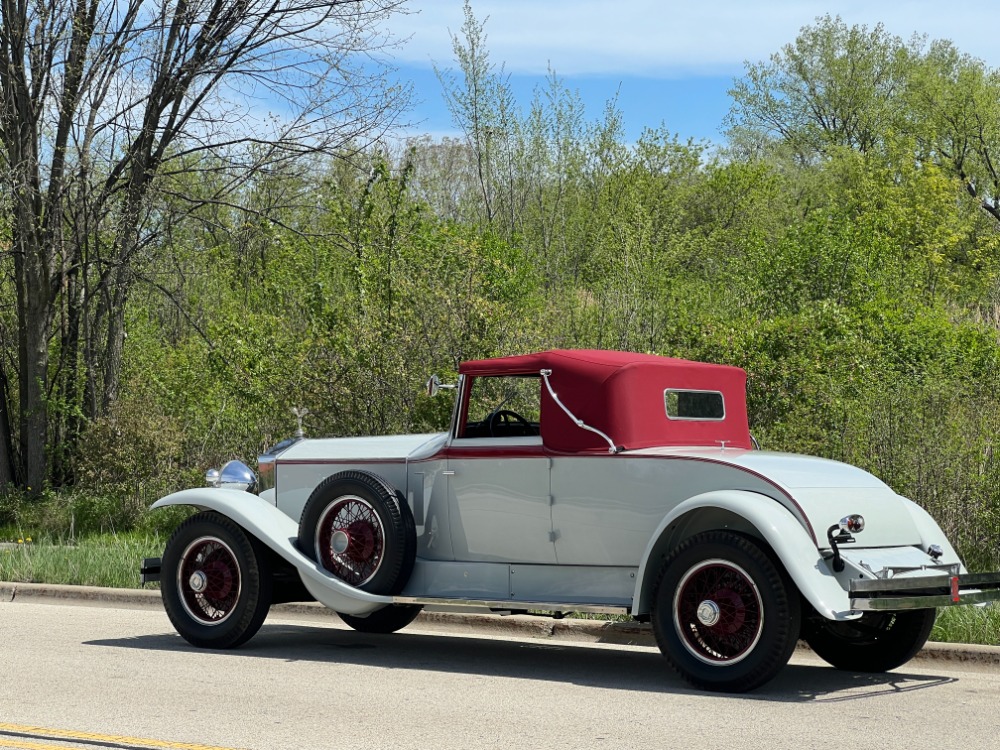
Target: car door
498, 476
499, 506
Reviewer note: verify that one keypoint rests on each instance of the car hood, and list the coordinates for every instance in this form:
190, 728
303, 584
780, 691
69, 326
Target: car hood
381, 448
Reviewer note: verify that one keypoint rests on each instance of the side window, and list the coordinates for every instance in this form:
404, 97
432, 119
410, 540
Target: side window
503, 407
694, 405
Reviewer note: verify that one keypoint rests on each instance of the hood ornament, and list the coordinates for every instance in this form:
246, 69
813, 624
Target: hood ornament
299, 413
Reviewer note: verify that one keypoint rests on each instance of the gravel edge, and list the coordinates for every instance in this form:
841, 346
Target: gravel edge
586, 631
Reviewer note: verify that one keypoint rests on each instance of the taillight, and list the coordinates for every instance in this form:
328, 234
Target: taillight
853, 524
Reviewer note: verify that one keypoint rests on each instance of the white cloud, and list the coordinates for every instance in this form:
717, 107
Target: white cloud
670, 38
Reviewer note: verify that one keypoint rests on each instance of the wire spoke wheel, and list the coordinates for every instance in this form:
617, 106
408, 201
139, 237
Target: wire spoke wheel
718, 612
725, 614
386, 620
350, 540
209, 580
216, 581
359, 529
876, 642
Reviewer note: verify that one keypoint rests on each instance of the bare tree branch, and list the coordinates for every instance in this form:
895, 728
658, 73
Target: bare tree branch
98, 97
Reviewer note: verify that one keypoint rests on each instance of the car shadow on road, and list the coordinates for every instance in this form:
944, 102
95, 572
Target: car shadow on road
800, 683
552, 661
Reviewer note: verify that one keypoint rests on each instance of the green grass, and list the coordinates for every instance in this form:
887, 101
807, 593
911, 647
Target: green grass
83, 539
110, 560
968, 625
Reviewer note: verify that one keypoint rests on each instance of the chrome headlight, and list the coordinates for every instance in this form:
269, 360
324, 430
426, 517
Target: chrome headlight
234, 475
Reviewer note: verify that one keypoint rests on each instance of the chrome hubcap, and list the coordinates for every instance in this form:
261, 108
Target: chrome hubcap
198, 581
339, 542
708, 613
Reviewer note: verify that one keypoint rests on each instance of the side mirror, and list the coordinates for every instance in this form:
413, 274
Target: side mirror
435, 386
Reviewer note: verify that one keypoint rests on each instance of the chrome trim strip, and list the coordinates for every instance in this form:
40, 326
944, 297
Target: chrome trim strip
943, 582
923, 602
511, 604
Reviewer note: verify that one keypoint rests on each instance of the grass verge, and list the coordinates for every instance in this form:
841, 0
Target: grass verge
968, 625
110, 560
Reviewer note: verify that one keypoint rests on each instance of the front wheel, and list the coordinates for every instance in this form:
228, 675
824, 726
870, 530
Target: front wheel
876, 642
386, 620
724, 614
215, 582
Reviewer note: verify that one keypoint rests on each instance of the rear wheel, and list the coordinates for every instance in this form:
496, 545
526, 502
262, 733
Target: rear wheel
876, 642
724, 614
215, 582
386, 620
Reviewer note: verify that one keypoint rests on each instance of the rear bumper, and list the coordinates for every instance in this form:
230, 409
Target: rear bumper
924, 592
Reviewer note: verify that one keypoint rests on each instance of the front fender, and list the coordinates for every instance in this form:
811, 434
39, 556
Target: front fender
772, 522
279, 532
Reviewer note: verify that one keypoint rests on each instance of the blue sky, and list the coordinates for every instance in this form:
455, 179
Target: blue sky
670, 62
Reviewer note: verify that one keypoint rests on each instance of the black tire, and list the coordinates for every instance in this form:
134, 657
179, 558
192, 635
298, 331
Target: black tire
725, 615
877, 642
360, 529
215, 582
386, 620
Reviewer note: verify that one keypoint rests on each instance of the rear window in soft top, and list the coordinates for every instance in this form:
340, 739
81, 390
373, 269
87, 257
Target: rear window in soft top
697, 405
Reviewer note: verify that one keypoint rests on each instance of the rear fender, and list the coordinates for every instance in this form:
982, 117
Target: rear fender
756, 515
931, 533
279, 532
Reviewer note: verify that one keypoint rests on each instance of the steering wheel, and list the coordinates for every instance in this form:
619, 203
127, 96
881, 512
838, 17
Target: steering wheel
508, 417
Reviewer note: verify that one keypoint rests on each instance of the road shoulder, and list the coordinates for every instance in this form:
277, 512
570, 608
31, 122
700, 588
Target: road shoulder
583, 631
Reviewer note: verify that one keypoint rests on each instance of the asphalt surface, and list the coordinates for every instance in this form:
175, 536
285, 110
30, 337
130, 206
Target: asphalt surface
115, 675
581, 631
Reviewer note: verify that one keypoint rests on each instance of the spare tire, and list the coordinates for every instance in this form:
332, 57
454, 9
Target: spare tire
360, 529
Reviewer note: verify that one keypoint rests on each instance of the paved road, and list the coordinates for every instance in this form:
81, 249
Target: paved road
123, 677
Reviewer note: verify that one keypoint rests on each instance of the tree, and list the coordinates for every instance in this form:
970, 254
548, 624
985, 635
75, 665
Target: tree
482, 105
955, 101
101, 104
840, 86
836, 85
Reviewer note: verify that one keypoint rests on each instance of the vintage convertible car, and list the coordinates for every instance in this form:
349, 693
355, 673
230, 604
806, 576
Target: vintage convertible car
576, 481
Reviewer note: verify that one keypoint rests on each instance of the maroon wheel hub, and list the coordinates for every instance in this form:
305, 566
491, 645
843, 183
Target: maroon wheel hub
718, 612
220, 579
733, 611
363, 540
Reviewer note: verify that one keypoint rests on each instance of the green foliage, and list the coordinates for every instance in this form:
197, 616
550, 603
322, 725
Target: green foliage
68, 515
835, 85
831, 250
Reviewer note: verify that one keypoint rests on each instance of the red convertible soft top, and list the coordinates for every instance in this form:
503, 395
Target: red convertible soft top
623, 395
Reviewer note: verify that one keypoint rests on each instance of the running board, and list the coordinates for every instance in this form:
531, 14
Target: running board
507, 605
151, 569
